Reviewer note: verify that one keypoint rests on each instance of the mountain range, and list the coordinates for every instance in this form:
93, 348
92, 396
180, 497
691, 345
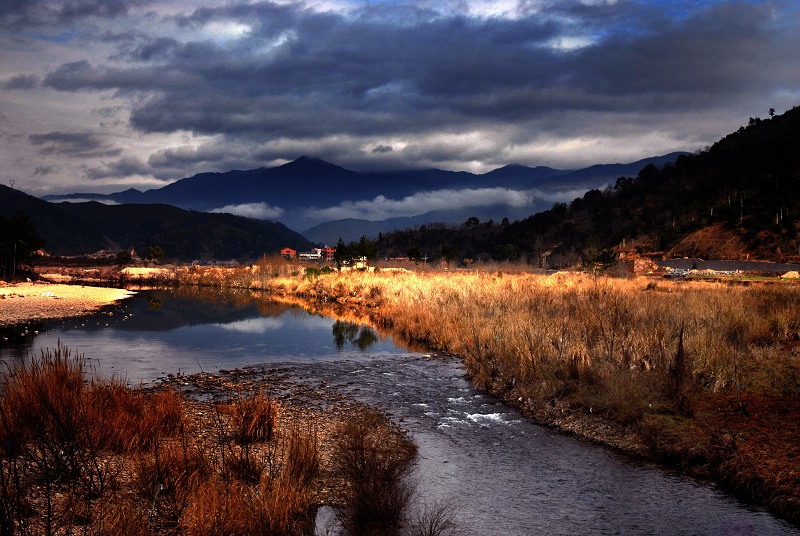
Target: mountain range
327, 202
738, 198
86, 227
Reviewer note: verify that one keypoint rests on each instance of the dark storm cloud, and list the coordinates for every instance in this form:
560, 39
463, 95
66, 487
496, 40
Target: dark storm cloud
308, 74
155, 49
80, 75
74, 144
185, 158
108, 112
45, 170
719, 52
124, 167
297, 74
26, 12
95, 8
21, 81
16, 8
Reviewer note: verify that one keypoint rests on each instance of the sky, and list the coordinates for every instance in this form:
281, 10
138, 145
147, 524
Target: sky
104, 95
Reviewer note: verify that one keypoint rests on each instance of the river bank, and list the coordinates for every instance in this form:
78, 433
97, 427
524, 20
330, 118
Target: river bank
701, 376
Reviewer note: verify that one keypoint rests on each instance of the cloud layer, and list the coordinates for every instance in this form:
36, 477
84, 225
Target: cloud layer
101, 94
261, 211
381, 208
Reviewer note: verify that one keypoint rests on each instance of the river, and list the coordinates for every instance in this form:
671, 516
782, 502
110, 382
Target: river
506, 475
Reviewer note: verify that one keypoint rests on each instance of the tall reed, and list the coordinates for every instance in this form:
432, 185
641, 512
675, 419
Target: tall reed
82, 454
573, 335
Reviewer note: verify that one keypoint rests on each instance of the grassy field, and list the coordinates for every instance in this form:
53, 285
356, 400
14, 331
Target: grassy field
705, 375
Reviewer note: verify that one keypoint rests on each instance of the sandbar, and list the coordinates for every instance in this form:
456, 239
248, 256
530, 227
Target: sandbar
23, 302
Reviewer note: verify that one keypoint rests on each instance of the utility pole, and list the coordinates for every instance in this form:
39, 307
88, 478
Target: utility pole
12, 182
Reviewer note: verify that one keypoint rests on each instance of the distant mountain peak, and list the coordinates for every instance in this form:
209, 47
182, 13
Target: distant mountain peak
310, 163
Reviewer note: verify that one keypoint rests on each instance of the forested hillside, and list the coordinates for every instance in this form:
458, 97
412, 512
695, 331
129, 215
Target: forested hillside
84, 228
741, 193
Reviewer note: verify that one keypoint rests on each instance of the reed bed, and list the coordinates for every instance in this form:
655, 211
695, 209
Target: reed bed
545, 336
696, 373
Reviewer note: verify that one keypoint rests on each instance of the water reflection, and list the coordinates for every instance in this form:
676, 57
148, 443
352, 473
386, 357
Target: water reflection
159, 332
20, 337
155, 304
358, 335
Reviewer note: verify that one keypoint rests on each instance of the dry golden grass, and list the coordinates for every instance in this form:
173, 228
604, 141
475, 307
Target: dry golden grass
657, 357
254, 418
220, 507
128, 420
533, 329
547, 335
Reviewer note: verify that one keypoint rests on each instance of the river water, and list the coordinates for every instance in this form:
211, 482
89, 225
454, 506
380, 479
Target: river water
506, 475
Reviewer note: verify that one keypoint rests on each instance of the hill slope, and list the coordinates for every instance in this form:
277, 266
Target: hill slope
745, 190
82, 228
64, 233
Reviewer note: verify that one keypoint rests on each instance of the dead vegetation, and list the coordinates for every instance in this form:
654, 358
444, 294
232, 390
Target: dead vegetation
88, 456
684, 372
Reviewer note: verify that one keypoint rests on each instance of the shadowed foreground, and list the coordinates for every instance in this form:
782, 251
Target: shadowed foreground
97, 457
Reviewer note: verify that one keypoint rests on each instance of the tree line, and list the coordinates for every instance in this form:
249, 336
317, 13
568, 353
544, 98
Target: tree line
346, 254
19, 242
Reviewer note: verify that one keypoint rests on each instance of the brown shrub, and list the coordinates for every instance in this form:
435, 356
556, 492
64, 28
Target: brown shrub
217, 507
126, 420
43, 413
119, 515
301, 463
242, 463
168, 475
374, 462
254, 418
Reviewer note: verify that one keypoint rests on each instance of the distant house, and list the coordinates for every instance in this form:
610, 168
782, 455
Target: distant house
315, 254
288, 253
328, 252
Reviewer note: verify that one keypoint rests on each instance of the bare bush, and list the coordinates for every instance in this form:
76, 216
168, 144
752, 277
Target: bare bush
374, 463
254, 418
